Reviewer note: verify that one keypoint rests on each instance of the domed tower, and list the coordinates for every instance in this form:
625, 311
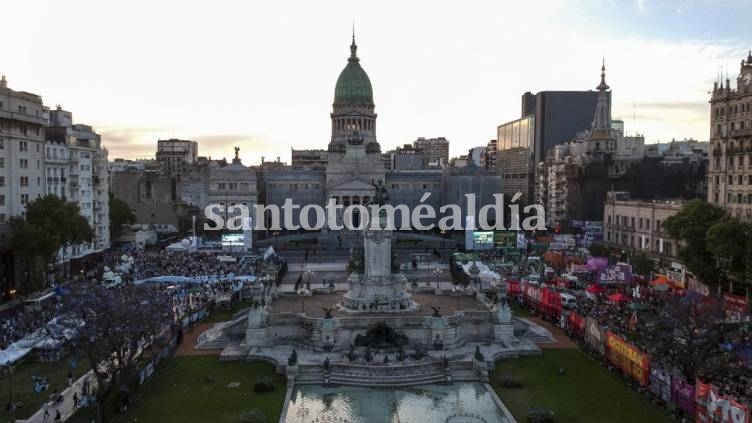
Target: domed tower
352, 115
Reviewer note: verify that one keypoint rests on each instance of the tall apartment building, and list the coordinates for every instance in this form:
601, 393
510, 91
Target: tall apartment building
174, 155
730, 170
42, 152
22, 120
435, 149
76, 169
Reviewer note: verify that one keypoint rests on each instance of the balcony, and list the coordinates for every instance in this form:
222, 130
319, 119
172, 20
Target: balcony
740, 133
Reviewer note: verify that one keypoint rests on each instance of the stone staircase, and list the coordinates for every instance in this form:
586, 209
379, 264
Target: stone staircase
462, 371
215, 337
386, 376
525, 329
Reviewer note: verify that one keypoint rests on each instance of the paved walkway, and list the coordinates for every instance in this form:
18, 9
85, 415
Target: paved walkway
562, 340
189, 341
65, 407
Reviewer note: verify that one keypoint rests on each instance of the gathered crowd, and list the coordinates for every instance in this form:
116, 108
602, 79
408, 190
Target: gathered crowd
636, 317
148, 264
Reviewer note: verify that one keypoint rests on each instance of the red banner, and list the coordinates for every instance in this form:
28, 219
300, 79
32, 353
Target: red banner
513, 288
550, 303
532, 295
576, 324
715, 408
628, 358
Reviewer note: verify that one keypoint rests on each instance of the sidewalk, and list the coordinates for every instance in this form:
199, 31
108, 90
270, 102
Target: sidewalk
65, 407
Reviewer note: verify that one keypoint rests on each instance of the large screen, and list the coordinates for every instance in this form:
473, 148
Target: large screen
232, 240
483, 240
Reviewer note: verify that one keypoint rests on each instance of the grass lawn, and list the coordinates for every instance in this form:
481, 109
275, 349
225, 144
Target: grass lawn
221, 314
23, 386
586, 392
520, 311
179, 392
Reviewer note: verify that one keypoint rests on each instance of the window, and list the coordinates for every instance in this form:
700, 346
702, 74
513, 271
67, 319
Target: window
24, 181
2, 162
23, 146
2, 200
24, 198
2, 181
2, 217
23, 163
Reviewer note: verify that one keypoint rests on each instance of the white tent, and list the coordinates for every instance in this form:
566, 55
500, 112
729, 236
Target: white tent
12, 354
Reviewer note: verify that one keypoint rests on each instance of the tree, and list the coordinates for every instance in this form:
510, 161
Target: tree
642, 263
114, 328
28, 241
729, 240
120, 214
687, 335
690, 226
50, 224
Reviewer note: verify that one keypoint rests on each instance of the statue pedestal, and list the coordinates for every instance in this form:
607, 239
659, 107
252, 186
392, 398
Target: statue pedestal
377, 290
503, 327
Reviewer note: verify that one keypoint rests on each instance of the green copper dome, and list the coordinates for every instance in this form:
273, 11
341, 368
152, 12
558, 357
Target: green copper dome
353, 85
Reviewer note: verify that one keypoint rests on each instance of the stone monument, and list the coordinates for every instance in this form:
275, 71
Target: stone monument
377, 289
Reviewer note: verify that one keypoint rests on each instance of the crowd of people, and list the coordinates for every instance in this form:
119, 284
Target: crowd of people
22, 322
148, 264
625, 317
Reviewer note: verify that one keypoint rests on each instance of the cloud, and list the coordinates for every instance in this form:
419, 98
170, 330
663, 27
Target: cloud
642, 6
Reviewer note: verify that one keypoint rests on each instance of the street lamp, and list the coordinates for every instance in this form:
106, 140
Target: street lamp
436, 274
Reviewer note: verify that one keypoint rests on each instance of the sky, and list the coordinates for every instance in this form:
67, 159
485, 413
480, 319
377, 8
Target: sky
261, 75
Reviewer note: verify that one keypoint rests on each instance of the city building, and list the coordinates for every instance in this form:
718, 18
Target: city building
43, 152
22, 142
435, 149
729, 177
311, 158
548, 119
408, 158
231, 185
76, 169
22, 120
174, 155
489, 159
573, 179
637, 224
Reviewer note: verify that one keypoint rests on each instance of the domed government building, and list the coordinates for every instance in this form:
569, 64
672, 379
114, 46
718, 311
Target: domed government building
353, 162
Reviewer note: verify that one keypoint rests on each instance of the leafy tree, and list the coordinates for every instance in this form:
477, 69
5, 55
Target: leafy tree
687, 334
690, 226
113, 328
50, 224
730, 243
598, 250
120, 214
642, 263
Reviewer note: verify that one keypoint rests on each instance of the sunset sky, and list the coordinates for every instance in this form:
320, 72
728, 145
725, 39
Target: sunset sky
261, 75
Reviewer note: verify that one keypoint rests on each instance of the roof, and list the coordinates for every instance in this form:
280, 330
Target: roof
353, 85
